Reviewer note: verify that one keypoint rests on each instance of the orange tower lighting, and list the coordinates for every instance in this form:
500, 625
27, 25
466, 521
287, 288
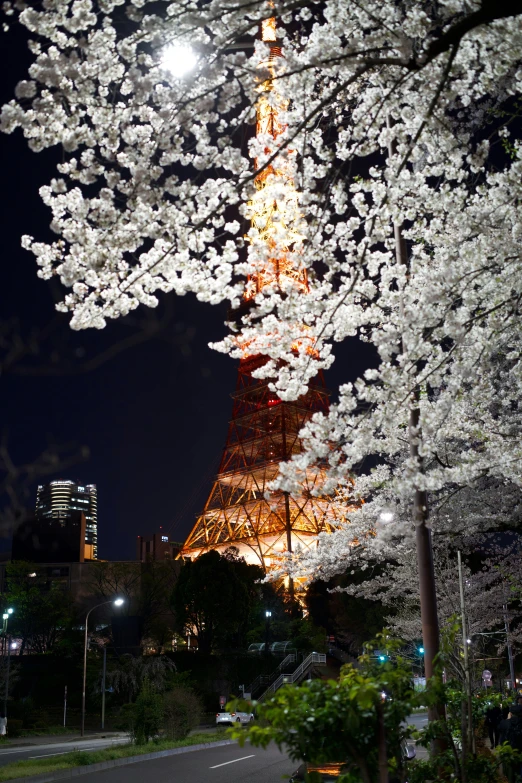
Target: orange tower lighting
264, 430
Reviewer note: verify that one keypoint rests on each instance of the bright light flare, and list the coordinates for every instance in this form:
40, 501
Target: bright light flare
178, 60
119, 602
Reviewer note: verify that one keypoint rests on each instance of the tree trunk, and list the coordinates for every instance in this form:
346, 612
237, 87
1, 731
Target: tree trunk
381, 746
427, 591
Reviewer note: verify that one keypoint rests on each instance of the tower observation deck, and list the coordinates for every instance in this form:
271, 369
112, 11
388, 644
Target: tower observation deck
264, 430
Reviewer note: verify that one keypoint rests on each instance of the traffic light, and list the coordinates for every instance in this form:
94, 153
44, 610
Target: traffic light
421, 650
382, 658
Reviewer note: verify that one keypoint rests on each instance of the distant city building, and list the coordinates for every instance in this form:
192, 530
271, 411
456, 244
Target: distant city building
157, 547
62, 500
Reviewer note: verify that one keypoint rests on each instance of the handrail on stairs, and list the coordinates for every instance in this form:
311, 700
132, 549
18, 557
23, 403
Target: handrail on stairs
302, 669
263, 679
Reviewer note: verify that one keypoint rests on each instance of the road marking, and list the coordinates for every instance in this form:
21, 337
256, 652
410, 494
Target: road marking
233, 761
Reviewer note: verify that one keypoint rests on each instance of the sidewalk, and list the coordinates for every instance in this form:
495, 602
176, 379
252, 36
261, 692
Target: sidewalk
54, 739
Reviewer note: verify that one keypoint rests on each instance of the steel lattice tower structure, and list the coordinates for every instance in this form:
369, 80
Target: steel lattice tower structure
264, 430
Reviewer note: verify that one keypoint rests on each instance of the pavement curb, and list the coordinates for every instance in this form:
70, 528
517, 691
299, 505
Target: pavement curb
65, 774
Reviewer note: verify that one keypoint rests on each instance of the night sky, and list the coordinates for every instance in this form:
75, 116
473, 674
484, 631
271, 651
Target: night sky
153, 415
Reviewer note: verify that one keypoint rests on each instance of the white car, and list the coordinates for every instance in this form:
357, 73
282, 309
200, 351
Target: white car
233, 717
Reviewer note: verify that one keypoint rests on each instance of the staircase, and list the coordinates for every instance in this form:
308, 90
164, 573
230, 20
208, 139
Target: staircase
304, 668
265, 679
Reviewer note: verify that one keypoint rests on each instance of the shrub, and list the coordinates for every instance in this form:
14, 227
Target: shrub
124, 720
14, 727
148, 714
181, 712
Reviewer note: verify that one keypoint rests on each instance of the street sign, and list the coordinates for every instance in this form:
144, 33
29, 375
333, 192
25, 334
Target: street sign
222, 701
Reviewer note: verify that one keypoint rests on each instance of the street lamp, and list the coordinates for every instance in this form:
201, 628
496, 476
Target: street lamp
6, 615
178, 59
268, 615
421, 653
5, 641
114, 602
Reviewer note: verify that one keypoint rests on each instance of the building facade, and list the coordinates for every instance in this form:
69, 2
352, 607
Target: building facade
51, 540
156, 546
61, 500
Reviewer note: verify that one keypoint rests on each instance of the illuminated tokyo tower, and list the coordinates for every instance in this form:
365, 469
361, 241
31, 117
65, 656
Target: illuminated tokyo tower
264, 430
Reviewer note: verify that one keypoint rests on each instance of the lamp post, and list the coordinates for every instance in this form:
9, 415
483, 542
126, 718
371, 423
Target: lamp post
5, 617
6, 642
268, 615
116, 602
421, 653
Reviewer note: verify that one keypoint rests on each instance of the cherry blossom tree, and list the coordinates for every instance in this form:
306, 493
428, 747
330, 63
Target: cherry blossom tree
401, 200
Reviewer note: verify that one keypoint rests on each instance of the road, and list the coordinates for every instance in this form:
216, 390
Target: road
38, 751
212, 765
418, 719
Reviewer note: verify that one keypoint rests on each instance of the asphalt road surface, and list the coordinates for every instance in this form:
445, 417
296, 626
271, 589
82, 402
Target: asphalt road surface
38, 751
418, 719
221, 764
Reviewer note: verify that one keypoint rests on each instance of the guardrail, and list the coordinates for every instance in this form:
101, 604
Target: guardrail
287, 679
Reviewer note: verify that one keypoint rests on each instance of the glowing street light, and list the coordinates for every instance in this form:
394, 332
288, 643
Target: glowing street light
268, 615
5, 617
179, 59
114, 602
6, 643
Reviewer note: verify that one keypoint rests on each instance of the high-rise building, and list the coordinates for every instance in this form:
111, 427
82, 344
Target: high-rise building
61, 500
